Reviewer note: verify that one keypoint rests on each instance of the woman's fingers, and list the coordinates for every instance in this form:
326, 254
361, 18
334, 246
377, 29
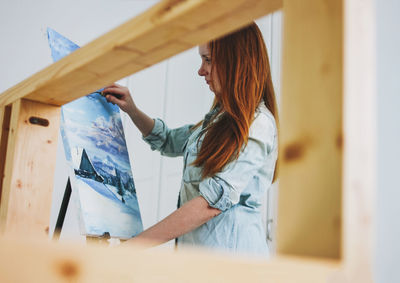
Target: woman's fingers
122, 91
115, 87
113, 99
119, 95
119, 92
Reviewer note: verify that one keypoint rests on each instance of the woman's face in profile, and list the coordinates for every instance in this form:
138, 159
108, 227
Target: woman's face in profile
206, 69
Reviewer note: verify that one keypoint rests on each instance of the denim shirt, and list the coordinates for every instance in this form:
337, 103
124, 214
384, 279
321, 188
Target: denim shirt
237, 190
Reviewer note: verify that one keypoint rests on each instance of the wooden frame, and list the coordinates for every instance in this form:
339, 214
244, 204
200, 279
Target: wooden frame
28, 177
326, 144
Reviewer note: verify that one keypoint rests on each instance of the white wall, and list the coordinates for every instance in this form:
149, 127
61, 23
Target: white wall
171, 90
388, 185
272, 28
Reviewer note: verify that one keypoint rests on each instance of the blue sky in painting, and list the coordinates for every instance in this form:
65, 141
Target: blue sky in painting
60, 46
95, 124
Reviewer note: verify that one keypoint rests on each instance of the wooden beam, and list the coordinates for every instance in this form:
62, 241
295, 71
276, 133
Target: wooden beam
310, 170
166, 29
47, 262
29, 168
360, 143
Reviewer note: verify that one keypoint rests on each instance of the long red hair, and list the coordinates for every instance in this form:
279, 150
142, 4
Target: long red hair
241, 62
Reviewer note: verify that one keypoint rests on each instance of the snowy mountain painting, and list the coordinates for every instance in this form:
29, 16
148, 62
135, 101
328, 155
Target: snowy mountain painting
95, 146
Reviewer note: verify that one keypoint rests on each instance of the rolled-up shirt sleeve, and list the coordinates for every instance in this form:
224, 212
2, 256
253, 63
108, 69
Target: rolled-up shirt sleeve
169, 142
219, 193
223, 190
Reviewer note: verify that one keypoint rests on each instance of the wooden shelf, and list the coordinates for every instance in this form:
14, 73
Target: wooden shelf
46, 262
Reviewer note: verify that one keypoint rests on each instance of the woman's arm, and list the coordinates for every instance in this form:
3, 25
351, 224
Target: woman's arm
169, 142
188, 217
120, 95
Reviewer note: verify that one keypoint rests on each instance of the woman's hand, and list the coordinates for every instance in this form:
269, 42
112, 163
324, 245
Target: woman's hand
121, 96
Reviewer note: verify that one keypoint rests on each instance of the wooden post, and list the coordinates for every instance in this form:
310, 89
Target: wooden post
310, 171
29, 168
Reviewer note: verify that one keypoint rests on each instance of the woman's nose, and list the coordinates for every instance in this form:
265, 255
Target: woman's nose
201, 71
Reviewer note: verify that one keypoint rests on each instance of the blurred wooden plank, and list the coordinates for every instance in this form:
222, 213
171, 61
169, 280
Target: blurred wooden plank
166, 29
47, 262
234, 13
162, 53
29, 169
310, 170
360, 144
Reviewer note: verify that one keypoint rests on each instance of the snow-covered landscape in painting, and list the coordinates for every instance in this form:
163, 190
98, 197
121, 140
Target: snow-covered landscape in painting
103, 210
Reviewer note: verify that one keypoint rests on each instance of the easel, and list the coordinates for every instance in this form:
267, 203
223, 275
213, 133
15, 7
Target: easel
317, 144
103, 239
63, 210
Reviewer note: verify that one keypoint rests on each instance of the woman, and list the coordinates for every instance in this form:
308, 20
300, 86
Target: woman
229, 157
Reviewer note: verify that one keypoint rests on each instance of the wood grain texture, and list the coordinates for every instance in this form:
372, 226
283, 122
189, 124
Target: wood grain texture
46, 262
29, 170
310, 169
164, 30
360, 144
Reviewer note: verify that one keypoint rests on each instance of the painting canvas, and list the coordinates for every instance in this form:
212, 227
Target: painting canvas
95, 148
